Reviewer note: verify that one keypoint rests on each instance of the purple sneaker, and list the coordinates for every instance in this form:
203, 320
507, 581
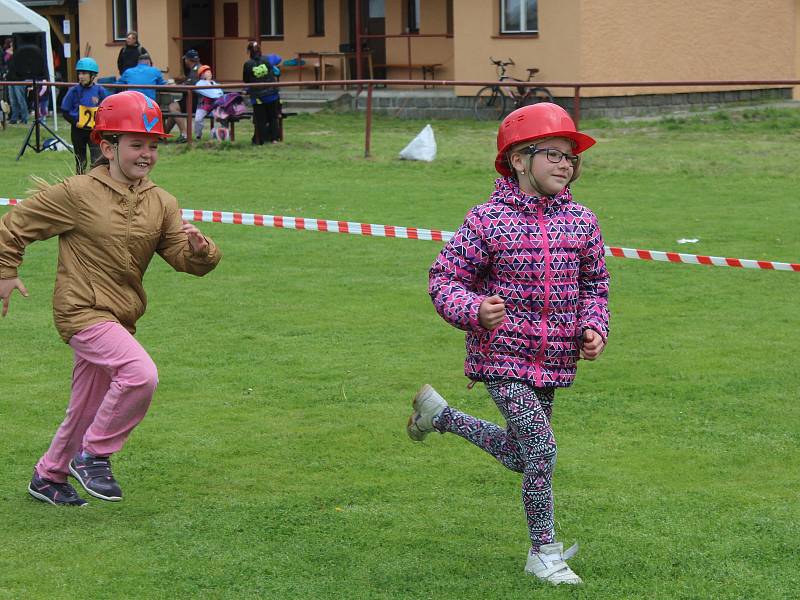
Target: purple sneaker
94, 474
57, 494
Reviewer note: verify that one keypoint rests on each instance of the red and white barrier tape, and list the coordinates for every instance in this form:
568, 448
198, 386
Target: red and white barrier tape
351, 227
437, 235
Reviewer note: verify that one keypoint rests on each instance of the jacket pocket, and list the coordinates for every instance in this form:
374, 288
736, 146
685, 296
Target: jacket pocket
116, 304
505, 339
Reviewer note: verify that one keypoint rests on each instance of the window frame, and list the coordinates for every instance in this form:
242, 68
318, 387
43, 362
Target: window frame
130, 19
523, 16
230, 19
272, 14
316, 18
413, 10
449, 17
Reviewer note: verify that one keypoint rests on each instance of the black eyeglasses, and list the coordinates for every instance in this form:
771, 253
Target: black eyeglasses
554, 156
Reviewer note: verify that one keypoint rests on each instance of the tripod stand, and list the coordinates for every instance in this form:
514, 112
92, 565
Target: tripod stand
36, 129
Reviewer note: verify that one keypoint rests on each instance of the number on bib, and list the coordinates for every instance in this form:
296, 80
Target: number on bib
86, 117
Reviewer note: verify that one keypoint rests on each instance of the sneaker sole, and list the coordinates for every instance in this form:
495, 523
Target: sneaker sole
413, 432
92, 492
43, 498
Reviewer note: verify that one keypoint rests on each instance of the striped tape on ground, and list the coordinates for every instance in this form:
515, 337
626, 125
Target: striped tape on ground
438, 235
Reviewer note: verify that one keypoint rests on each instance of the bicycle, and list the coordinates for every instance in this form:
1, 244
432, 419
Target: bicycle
491, 101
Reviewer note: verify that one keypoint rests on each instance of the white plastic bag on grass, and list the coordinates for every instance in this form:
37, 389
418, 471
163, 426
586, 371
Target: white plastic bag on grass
422, 147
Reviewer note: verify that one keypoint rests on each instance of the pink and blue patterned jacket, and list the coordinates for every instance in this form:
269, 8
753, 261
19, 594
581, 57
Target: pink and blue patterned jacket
544, 256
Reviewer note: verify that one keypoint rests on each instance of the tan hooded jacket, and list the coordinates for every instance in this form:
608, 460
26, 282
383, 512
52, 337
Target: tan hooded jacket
108, 232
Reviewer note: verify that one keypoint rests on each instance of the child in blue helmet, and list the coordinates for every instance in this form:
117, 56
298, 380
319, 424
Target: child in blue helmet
79, 107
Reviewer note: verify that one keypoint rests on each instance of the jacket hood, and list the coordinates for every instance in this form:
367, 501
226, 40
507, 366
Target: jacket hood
102, 174
507, 190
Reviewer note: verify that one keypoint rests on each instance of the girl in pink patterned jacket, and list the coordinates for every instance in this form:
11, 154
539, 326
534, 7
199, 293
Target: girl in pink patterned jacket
525, 277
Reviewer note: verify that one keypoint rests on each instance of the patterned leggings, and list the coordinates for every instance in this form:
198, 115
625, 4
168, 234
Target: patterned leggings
526, 446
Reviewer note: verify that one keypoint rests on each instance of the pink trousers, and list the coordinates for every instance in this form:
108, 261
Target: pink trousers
113, 382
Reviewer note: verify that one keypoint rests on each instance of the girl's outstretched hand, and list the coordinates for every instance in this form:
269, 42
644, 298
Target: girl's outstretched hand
196, 239
6, 287
492, 312
592, 345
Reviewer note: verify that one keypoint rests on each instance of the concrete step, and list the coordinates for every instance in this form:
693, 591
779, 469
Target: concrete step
297, 106
306, 103
288, 107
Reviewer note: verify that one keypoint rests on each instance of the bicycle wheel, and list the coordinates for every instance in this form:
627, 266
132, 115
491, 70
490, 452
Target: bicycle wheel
536, 95
490, 104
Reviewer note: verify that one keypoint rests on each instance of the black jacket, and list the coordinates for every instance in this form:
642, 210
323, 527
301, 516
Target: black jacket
129, 56
249, 77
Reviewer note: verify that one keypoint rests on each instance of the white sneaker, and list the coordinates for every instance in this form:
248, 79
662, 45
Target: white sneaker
427, 405
548, 564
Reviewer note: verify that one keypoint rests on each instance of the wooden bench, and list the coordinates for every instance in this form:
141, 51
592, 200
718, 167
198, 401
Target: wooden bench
426, 68
247, 115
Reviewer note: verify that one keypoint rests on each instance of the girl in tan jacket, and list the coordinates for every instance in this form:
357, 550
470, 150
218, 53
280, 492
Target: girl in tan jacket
110, 222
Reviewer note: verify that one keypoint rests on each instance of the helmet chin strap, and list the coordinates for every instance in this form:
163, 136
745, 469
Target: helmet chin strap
531, 179
119, 163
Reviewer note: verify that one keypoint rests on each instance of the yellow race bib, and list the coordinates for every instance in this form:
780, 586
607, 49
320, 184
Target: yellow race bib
86, 117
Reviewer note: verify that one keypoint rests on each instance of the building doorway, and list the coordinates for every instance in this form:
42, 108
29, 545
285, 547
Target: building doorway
197, 20
373, 22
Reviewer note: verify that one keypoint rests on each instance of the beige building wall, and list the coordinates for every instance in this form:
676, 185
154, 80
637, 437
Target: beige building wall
158, 20
578, 40
556, 50
691, 40
424, 50
95, 30
231, 54
158, 23
796, 93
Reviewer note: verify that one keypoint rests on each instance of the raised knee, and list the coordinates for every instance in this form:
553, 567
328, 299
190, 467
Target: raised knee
143, 374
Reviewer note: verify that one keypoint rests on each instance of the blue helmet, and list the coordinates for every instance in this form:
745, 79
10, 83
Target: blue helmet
87, 64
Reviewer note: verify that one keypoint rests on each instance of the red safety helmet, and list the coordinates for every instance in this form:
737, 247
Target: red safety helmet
128, 112
535, 122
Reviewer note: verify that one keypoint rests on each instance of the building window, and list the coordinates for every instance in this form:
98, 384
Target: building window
412, 16
271, 18
230, 15
124, 18
449, 16
519, 16
376, 9
317, 12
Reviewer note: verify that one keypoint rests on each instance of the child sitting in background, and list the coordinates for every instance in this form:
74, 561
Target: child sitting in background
207, 95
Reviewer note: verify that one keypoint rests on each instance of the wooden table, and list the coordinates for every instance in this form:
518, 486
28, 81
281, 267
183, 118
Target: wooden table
344, 63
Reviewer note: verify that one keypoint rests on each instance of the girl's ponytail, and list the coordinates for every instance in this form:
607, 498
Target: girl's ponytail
102, 160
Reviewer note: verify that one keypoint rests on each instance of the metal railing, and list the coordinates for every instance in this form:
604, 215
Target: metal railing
370, 84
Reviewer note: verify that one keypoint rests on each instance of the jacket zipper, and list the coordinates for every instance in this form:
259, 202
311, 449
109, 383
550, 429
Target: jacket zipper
128, 234
537, 364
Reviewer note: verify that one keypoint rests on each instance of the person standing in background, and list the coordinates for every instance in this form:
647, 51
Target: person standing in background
265, 100
130, 52
17, 93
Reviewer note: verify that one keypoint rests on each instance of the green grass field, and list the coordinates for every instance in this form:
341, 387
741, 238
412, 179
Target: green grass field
274, 461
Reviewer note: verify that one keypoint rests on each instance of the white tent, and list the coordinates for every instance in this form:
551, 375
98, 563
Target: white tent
15, 17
